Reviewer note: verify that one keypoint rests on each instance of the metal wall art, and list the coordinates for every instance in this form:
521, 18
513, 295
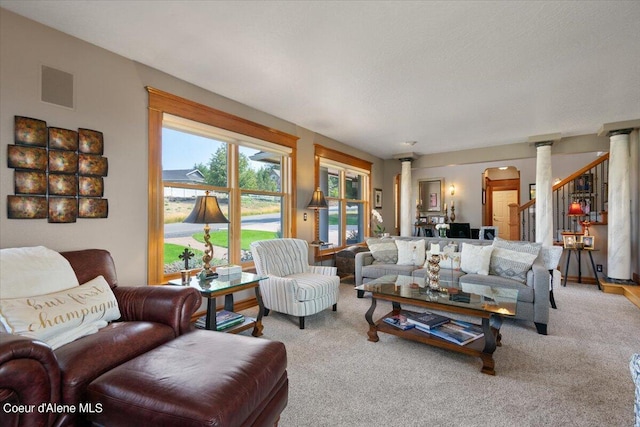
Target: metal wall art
58, 173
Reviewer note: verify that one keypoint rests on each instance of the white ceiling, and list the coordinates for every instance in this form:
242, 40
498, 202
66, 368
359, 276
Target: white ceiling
375, 74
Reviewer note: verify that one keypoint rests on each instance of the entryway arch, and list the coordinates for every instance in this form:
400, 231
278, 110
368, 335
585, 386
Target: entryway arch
501, 186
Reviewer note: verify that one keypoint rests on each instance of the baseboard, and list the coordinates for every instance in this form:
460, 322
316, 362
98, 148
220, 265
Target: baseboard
585, 280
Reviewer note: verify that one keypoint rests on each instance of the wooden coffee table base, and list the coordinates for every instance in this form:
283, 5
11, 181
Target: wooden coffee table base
482, 347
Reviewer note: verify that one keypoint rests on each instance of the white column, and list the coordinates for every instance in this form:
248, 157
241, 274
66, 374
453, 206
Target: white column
619, 205
406, 207
544, 200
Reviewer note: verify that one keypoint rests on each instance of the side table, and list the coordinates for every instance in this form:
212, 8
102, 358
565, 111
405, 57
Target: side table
593, 265
226, 286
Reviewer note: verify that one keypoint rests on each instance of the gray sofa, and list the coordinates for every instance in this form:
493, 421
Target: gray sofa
533, 297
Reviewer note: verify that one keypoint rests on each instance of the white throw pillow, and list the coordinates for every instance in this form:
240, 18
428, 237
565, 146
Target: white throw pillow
475, 258
61, 317
410, 252
25, 272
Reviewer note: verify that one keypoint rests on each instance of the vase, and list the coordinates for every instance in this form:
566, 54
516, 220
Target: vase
434, 272
442, 232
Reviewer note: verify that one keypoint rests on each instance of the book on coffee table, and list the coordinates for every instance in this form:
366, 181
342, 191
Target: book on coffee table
426, 320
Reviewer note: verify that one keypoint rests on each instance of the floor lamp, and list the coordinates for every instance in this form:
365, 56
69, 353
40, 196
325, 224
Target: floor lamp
317, 202
207, 211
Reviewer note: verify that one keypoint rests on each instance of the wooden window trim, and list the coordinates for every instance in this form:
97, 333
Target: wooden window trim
161, 102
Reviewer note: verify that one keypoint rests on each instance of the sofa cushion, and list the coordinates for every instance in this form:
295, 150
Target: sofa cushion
83, 360
384, 251
513, 259
475, 258
379, 270
61, 317
525, 293
410, 252
26, 272
446, 274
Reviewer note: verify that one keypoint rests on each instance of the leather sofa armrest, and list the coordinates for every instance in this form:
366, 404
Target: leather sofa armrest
362, 259
170, 305
29, 375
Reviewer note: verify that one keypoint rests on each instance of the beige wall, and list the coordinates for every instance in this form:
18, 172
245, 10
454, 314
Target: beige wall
110, 97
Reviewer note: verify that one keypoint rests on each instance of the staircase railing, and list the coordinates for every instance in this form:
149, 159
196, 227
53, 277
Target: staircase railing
588, 186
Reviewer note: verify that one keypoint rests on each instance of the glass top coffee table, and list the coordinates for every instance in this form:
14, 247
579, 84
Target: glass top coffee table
487, 303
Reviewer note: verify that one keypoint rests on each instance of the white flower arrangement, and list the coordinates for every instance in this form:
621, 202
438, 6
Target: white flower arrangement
377, 218
441, 226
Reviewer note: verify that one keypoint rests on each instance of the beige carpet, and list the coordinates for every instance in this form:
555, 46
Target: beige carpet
578, 375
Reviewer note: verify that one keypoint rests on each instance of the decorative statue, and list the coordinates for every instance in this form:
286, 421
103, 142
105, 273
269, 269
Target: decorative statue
434, 272
186, 255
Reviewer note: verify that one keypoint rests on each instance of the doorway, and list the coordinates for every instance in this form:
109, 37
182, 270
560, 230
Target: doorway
502, 187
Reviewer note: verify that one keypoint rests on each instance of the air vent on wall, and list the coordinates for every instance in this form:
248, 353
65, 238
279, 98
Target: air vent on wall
57, 87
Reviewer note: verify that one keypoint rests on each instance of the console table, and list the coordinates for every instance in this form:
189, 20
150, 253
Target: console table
593, 265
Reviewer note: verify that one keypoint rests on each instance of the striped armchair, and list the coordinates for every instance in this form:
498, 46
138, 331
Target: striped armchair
293, 286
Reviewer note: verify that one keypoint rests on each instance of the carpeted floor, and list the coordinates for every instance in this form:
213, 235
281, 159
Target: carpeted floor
578, 375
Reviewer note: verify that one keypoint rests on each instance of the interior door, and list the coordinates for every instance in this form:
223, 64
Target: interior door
501, 200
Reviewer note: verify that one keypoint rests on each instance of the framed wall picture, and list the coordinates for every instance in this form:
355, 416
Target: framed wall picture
23, 157
30, 131
377, 198
584, 183
63, 139
30, 182
488, 232
532, 191
26, 207
430, 192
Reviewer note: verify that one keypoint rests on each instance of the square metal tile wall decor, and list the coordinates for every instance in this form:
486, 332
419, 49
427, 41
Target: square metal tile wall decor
30, 131
58, 172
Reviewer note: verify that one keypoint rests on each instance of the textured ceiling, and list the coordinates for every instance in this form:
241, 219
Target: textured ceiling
375, 74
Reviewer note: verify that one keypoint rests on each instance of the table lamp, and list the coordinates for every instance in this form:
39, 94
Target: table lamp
575, 211
207, 211
317, 202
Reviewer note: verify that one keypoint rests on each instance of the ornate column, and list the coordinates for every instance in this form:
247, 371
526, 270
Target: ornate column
406, 208
544, 200
619, 205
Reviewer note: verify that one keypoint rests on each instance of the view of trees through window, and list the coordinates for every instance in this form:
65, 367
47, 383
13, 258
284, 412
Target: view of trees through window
193, 164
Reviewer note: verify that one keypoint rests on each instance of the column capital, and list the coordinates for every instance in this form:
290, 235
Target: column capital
405, 157
619, 132
543, 144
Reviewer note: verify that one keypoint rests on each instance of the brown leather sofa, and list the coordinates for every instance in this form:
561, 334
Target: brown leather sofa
152, 317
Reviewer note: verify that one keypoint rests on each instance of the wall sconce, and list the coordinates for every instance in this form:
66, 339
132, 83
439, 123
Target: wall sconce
452, 189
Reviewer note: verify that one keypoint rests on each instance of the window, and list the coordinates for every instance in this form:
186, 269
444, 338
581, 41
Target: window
345, 182
202, 151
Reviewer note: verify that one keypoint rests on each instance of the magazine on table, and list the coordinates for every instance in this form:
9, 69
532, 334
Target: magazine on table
456, 331
399, 321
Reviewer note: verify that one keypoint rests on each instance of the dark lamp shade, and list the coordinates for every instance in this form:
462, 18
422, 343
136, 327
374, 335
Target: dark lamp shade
575, 209
317, 200
206, 211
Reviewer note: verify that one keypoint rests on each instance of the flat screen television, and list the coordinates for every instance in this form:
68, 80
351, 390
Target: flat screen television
460, 230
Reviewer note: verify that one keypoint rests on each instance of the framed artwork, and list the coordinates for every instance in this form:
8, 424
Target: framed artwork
30, 182
584, 183
532, 191
377, 198
63, 209
94, 165
589, 242
488, 232
63, 161
28, 131
569, 241
22, 157
26, 207
431, 192
90, 141
63, 139
93, 208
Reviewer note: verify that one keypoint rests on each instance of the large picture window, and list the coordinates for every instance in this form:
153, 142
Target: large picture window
345, 181
250, 176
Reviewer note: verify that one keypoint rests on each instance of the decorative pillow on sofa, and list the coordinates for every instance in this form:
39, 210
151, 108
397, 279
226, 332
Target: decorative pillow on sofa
384, 251
61, 317
410, 252
449, 258
513, 259
475, 258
